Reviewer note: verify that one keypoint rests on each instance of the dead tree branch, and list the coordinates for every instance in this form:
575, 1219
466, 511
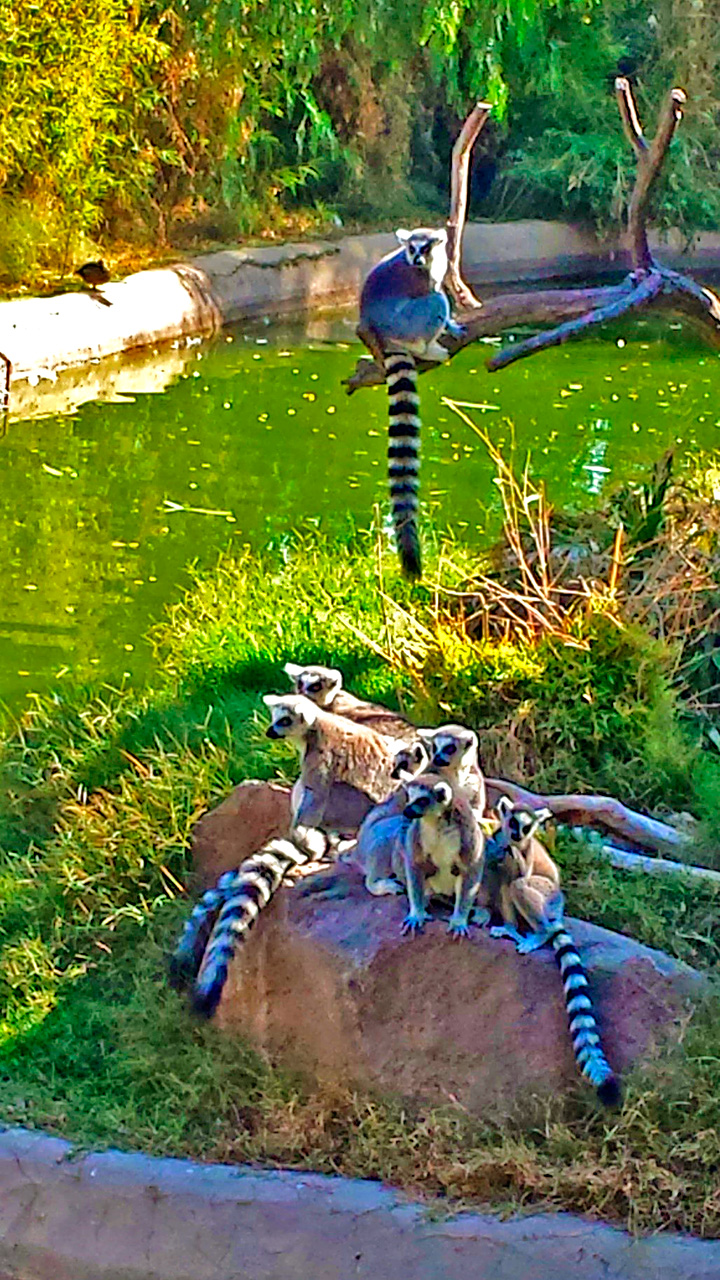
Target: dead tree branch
594, 811
629, 116
461, 293
5, 394
500, 313
650, 161
569, 312
646, 288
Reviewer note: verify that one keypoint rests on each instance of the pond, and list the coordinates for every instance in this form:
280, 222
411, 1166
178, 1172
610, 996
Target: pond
106, 504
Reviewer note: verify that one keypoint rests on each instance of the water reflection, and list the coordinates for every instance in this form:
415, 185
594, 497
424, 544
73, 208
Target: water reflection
118, 476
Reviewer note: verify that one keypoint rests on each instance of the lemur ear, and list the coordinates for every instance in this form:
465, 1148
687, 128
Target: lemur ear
403, 235
542, 815
292, 670
504, 806
427, 735
336, 675
440, 236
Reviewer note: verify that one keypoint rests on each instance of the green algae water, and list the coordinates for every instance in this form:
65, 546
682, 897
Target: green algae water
239, 441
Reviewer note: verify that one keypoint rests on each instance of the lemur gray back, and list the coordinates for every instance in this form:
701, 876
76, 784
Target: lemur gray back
334, 749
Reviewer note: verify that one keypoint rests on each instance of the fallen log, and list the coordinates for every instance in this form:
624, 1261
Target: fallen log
654, 866
594, 811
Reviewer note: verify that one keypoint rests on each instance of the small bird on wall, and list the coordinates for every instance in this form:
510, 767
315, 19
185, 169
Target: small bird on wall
94, 274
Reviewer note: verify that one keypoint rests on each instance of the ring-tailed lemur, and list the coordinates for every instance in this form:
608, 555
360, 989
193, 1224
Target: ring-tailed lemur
378, 852
403, 312
443, 852
522, 882
454, 755
340, 761
324, 687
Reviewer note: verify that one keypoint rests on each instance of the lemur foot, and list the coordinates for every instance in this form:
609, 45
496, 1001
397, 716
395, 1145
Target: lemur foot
379, 888
480, 916
533, 942
435, 351
506, 931
455, 330
458, 927
413, 924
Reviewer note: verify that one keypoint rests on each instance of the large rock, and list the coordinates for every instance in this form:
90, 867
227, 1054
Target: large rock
252, 814
333, 988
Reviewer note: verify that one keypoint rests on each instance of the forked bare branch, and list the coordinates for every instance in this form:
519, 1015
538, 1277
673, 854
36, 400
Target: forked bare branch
569, 312
459, 291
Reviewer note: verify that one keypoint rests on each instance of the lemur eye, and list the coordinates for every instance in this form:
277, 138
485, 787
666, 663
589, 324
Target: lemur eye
284, 722
314, 687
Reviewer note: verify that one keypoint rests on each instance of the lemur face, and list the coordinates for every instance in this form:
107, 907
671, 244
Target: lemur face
320, 684
431, 795
521, 826
291, 716
409, 761
421, 244
453, 747
518, 823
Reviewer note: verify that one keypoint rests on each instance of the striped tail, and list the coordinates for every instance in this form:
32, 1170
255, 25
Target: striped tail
404, 457
187, 956
581, 1019
254, 883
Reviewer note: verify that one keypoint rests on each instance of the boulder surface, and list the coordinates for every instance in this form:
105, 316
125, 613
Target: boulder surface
242, 823
331, 987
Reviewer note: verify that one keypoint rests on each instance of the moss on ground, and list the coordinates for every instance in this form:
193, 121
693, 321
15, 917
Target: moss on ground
99, 793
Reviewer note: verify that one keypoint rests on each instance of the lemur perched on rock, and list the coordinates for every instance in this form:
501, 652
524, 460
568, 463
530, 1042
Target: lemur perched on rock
443, 852
345, 768
522, 882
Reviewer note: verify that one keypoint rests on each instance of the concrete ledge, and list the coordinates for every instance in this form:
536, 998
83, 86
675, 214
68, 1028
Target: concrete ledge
42, 336
112, 1216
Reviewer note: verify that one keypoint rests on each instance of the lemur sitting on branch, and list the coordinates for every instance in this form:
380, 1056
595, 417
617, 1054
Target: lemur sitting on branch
403, 312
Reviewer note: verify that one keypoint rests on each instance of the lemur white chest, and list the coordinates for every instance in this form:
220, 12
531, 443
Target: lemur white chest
441, 846
437, 269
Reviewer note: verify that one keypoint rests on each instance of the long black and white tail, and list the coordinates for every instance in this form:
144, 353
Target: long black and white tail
187, 956
255, 882
581, 1019
404, 457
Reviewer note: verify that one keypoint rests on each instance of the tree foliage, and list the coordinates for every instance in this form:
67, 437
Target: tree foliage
216, 116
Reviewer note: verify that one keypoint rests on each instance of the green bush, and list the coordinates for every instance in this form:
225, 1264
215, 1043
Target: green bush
218, 119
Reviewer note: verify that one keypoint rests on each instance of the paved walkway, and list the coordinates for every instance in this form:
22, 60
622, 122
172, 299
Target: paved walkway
129, 1217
